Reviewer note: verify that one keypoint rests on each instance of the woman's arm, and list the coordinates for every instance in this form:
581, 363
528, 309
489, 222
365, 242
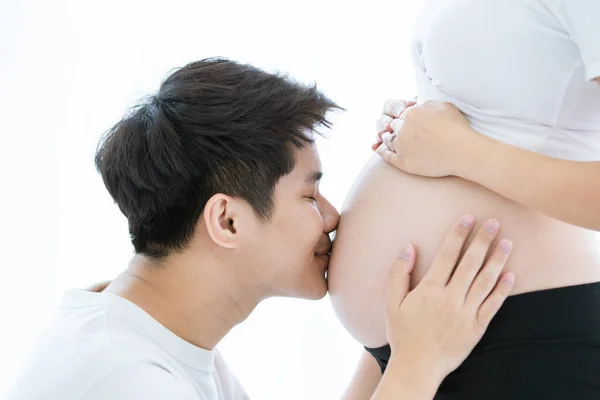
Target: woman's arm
407, 381
566, 190
436, 140
365, 379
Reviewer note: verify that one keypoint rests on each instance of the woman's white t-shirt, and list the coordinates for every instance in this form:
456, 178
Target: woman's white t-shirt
520, 70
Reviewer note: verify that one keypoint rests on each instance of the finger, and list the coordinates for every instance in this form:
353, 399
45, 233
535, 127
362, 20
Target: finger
409, 104
488, 276
378, 140
394, 107
382, 122
447, 257
388, 141
396, 124
472, 261
388, 127
389, 156
495, 300
399, 281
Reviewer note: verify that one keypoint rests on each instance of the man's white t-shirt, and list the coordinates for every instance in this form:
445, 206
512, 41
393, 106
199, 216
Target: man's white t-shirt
103, 346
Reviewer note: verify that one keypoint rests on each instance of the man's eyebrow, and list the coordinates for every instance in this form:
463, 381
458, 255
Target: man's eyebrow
314, 177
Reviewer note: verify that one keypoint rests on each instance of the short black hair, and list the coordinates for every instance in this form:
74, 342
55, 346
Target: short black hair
214, 126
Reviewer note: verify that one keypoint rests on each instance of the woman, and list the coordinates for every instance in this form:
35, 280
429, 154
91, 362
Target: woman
529, 90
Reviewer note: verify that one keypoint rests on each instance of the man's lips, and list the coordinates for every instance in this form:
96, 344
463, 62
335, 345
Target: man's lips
324, 252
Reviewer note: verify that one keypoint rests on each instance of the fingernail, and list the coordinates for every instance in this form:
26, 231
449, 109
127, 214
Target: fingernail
509, 280
505, 246
492, 225
406, 252
468, 220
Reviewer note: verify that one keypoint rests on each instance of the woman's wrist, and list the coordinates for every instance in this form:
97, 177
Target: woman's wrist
471, 156
413, 376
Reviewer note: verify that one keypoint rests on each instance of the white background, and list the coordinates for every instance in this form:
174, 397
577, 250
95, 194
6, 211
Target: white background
70, 69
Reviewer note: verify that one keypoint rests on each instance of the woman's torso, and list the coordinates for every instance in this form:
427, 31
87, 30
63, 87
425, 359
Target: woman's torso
515, 69
459, 46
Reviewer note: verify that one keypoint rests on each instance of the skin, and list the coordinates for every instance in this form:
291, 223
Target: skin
484, 164
457, 295
197, 293
435, 140
421, 212
236, 259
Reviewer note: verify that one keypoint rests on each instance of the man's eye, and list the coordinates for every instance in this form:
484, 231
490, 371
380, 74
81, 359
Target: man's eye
313, 199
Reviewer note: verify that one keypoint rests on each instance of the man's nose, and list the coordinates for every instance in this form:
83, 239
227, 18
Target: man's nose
331, 219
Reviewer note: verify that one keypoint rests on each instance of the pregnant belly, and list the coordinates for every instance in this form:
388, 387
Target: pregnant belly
387, 208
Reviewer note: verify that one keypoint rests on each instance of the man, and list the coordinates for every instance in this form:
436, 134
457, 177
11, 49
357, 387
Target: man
218, 177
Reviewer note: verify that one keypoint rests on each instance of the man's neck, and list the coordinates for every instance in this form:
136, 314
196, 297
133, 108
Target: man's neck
198, 299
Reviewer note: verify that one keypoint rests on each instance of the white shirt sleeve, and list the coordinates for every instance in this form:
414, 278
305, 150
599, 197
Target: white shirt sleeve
139, 381
582, 21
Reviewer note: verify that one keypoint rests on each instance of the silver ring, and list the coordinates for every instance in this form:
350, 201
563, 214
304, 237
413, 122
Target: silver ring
389, 143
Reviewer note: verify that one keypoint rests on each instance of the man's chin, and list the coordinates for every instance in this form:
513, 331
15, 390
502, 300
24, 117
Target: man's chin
317, 292
319, 296
322, 292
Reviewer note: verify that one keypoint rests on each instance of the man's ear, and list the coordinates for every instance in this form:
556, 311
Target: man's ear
222, 215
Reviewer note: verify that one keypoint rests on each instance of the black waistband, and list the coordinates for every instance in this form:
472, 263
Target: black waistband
554, 315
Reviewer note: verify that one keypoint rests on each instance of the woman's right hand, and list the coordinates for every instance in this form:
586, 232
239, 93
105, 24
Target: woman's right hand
432, 329
392, 109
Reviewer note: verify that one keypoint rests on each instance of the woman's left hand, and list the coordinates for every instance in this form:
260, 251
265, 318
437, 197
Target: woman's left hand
428, 140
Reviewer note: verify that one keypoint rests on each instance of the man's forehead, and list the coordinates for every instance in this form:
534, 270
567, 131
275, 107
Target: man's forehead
308, 162
307, 168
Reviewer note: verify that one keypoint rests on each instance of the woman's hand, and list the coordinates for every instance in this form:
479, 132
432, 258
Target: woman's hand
432, 329
435, 140
392, 109
427, 140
